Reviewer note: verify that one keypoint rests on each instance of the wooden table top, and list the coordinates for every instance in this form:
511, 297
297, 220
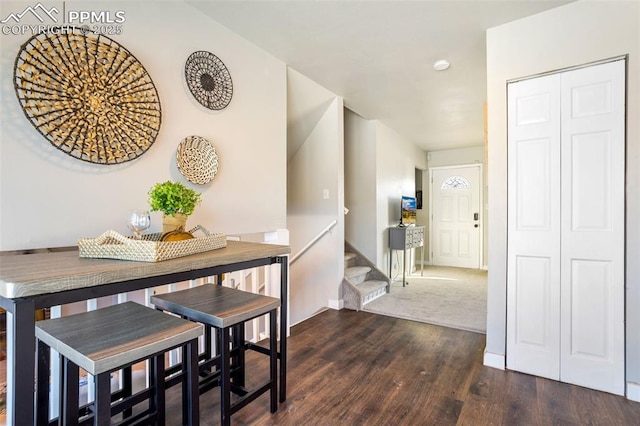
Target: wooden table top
24, 275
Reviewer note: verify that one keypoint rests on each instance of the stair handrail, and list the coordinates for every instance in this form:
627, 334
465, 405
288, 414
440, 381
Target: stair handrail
313, 241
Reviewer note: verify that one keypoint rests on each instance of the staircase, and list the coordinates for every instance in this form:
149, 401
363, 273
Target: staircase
363, 281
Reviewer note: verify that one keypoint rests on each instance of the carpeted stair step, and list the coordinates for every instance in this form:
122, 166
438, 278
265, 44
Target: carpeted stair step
371, 290
349, 260
356, 274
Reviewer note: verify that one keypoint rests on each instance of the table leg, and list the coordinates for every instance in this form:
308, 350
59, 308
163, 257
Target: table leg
21, 348
404, 267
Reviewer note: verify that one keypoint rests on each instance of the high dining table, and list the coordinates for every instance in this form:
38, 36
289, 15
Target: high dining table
34, 281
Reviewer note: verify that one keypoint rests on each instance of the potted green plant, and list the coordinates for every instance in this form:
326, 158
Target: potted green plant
175, 201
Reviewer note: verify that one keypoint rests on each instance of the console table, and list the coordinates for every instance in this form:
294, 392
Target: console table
34, 281
404, 238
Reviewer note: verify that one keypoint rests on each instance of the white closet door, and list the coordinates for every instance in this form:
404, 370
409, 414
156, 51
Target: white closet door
533, 302
566, 161
592, 261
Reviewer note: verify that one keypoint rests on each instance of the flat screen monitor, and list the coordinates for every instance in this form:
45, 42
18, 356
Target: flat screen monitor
408, 211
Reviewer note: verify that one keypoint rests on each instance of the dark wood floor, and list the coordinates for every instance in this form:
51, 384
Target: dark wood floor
357, 368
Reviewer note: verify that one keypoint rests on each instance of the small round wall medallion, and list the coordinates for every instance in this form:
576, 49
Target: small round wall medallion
197, 159
208, 80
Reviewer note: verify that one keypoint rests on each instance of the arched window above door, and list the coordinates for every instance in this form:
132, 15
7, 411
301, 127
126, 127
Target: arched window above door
455, 182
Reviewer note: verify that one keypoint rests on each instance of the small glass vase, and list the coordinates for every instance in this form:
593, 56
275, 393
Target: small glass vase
138, 221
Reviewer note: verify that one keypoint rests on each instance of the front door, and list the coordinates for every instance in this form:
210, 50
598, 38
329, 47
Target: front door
455, 216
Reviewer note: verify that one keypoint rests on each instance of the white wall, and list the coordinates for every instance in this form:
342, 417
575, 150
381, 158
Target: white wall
396, 161
575, 34
315, 196
380, 167
454, 157
360, 183
49, 199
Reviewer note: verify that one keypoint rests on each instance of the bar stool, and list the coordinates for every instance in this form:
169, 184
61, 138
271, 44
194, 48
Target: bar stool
110, 339
224, 309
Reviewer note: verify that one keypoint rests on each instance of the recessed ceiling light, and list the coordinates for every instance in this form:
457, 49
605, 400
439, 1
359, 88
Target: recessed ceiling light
441, 65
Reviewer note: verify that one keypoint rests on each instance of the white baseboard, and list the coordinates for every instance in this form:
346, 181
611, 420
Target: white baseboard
485, 267
633, 391
336, 304
493, 360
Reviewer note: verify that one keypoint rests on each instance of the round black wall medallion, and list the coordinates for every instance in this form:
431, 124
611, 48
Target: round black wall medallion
208, 80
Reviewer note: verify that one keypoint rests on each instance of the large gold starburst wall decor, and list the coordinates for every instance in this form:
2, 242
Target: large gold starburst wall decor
88, 96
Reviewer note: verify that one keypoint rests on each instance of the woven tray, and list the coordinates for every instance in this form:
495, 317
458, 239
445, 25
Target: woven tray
113, 245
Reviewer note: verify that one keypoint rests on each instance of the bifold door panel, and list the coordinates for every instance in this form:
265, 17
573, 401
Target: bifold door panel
566, 157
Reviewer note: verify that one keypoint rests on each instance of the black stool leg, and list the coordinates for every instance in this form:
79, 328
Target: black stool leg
152, 401
157, 384
207, 343
238, 358
127, 388
217, 343
190, 382
102, 403
273, 361
69, 404
225, 377
42, 386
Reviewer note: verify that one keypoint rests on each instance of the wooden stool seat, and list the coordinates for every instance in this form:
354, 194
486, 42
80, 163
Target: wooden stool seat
225, 308
109, 339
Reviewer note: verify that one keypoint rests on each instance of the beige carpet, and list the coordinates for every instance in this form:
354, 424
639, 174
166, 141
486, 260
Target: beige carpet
451, 297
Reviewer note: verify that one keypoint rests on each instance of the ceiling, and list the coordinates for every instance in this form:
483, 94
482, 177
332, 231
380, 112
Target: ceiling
379, 55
